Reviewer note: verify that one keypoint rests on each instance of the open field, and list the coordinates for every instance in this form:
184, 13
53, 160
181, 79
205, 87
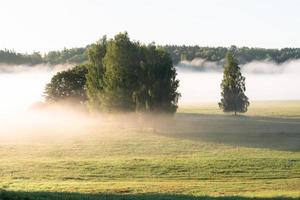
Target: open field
290, 109
199, 154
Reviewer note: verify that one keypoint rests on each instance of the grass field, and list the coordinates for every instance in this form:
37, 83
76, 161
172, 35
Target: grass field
198, 154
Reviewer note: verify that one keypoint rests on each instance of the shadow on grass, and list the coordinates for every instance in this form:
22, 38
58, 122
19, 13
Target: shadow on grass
257, 132
12, 195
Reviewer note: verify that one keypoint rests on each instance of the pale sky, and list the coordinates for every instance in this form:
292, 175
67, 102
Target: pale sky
43, 25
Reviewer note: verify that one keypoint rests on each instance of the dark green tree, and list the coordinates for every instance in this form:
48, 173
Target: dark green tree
126, 76
157, 88
233, 86
67, 85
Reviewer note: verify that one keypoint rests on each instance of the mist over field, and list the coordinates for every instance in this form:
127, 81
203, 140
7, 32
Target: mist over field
21, 108
199, 82
264, 81
23, 113
22, 90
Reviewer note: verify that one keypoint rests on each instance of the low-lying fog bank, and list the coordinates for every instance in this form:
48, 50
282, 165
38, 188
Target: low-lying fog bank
22, 86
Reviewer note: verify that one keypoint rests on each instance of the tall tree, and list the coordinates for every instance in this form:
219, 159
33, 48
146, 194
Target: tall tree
121, 61
233, 86
95, 83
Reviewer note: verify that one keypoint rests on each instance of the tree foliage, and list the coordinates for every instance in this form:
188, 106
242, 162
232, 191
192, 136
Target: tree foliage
125, 75
233, 86
67, 85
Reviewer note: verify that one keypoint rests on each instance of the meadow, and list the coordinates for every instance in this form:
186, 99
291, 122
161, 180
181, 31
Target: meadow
200, 153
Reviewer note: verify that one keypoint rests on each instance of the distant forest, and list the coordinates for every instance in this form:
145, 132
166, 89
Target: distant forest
177, 53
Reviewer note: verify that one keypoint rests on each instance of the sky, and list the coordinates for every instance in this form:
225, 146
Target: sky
44, 25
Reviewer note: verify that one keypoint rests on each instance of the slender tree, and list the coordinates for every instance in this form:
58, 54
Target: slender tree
233, 86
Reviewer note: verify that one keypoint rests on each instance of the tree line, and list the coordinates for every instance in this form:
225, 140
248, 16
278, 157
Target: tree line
177, 52
66, 56
14, 58
243, 55
123, 75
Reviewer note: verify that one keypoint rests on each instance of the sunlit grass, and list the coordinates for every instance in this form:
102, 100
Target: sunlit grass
192, 154
257, 108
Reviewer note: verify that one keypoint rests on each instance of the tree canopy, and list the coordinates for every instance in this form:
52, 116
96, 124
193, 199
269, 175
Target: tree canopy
233, 86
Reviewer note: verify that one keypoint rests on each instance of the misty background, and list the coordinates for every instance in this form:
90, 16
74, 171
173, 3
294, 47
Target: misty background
199, 82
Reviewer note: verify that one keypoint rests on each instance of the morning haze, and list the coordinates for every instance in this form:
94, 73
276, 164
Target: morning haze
149, 99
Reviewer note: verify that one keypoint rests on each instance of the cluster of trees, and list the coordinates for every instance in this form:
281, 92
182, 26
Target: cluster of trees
66, 56
177, 53
121, 75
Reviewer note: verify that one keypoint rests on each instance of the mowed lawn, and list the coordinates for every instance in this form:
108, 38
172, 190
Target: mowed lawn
198, 154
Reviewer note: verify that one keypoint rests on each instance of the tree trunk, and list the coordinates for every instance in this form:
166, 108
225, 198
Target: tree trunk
235, 106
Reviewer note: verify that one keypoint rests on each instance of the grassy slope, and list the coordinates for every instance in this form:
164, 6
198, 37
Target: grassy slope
197, 153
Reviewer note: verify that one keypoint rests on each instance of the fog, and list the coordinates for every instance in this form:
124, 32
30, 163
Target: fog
24, 117
22, 87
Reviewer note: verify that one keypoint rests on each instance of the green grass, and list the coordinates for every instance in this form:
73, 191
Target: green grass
290, 109
199, 154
